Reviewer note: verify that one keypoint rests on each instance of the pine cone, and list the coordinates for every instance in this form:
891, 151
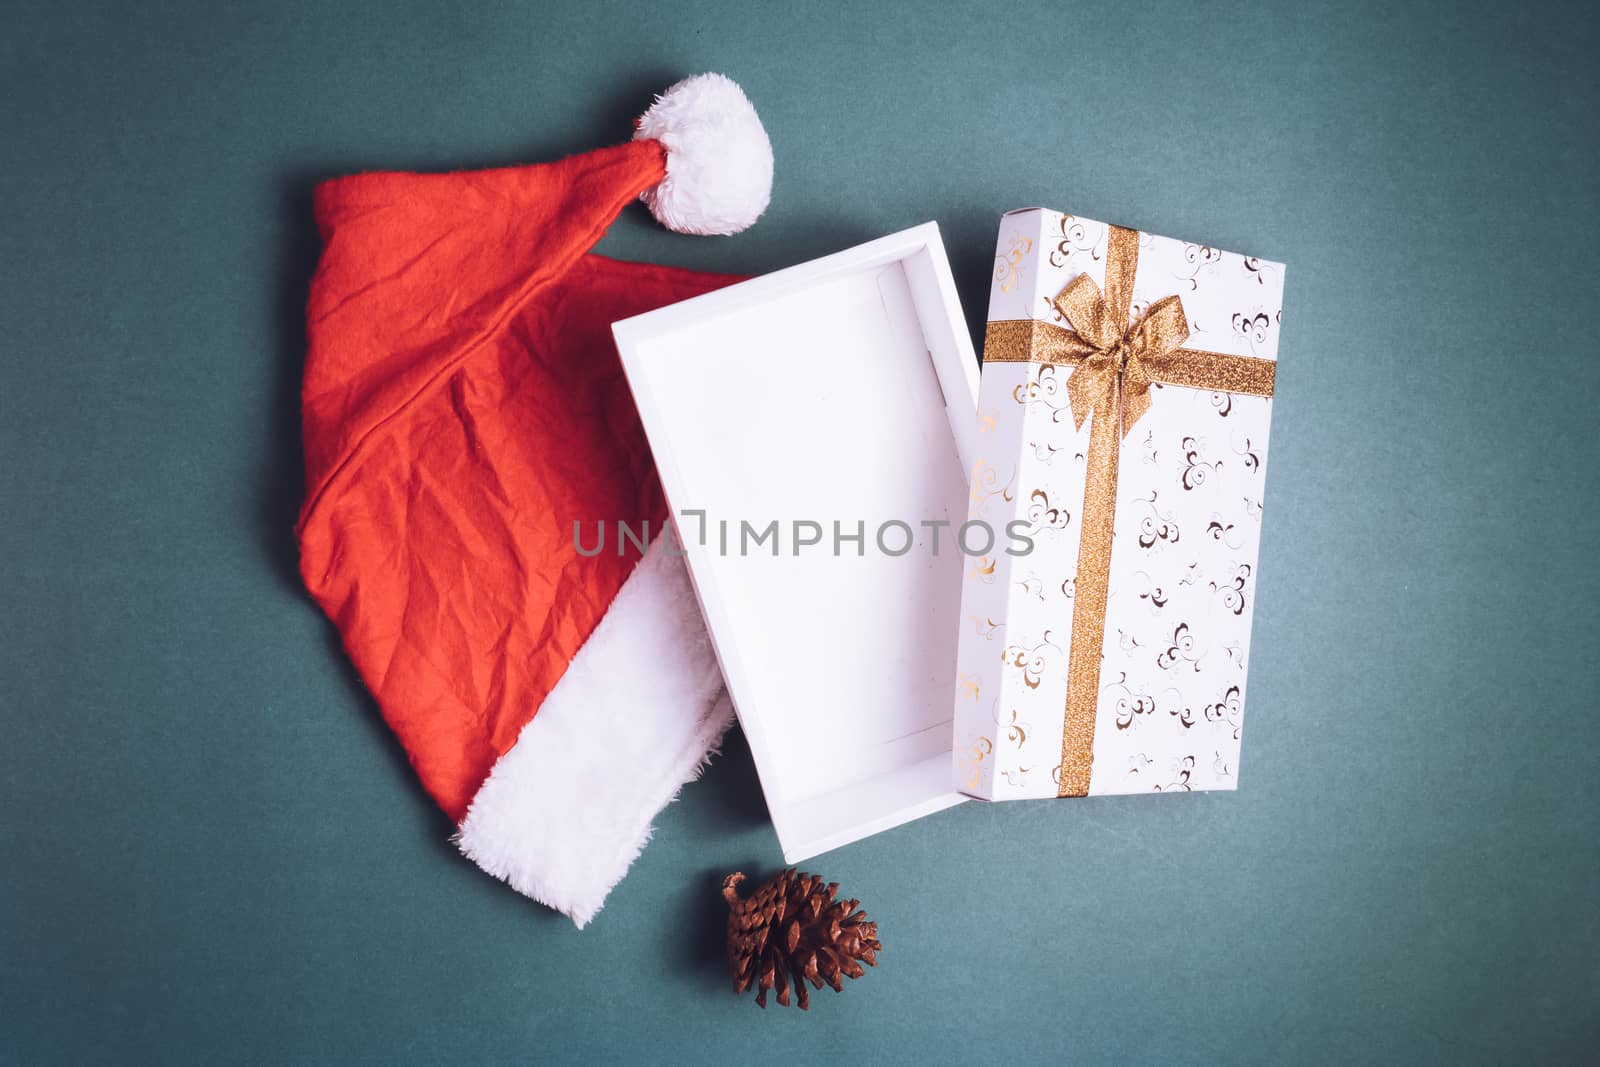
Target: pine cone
793, 930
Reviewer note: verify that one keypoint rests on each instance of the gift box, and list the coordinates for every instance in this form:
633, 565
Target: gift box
813, 429
1123, 417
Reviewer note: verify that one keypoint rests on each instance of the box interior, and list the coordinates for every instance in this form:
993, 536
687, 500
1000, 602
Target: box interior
823, 401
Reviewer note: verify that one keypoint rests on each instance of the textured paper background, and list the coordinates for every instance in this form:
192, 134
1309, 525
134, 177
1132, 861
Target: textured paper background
210, 849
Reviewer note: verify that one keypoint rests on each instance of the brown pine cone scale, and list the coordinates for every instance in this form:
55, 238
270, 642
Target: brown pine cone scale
792, 931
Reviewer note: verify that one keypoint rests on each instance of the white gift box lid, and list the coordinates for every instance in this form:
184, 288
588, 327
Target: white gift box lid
843, 390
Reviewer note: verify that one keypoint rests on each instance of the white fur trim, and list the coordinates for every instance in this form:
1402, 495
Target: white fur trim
639, 712
719, 160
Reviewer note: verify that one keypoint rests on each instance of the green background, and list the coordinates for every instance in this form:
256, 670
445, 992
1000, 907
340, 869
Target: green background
210, 849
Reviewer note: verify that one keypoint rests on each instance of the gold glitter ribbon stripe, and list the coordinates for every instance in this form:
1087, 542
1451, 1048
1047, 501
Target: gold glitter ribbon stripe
1114, 362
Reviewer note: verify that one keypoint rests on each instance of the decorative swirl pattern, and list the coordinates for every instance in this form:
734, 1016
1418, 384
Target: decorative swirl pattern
1131, 705
1047, 387
1220, 529
1042, 515
1257, 270
1232, 593
1252, 460
1147, 448
1075, 238
981, 749
985, 628
1227, 709
1255, 328
1152, 594
1158, 527
1033, 662
1196, 470
986, 483
1198, 258
1180, 650
1009, 264
1016, 731
1180, 779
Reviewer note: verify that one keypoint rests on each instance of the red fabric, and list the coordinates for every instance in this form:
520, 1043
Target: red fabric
463, 404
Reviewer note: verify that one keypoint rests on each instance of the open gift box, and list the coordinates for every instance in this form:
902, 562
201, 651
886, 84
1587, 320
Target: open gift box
813, 429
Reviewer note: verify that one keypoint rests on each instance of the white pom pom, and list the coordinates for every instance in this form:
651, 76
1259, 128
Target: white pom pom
719, 161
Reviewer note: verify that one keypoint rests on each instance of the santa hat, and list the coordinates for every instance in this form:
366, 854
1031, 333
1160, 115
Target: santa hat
463, 408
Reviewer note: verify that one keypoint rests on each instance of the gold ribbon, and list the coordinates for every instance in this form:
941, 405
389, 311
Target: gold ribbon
1114, 362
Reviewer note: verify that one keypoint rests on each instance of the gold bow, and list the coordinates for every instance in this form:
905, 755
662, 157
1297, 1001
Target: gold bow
1114, 363
1115, 375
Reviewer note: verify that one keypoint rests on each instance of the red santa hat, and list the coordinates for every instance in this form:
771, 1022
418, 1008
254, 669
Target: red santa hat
464, 407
